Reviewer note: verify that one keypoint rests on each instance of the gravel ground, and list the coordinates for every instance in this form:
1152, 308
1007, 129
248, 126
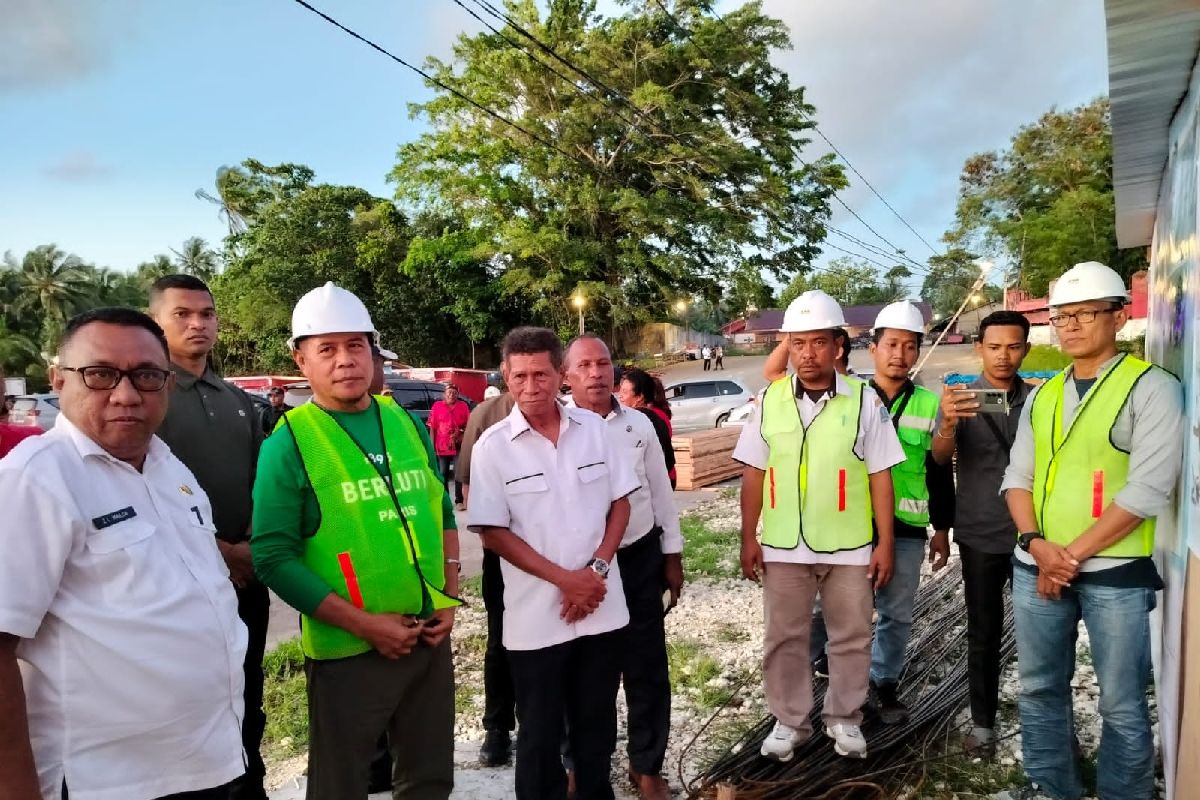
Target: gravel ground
715, 642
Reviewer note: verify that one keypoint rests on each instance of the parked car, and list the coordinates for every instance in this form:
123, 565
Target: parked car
705, 403
34, 409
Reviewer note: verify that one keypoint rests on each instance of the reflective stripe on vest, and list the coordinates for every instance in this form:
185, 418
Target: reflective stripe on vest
816, 488
1077, 469
915, 430
379, 543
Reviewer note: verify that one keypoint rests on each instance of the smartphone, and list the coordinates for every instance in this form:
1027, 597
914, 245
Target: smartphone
991, 401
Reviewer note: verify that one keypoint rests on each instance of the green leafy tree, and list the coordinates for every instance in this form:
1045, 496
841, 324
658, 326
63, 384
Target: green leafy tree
695, 191
950, 280
851, 282
52, 286
1046, 201
195, 257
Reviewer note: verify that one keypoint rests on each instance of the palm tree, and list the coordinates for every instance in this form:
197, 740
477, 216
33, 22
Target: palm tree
54, 284
196, 258
17, 352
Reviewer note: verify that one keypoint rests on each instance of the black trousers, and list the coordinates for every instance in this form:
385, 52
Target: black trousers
984, 577
254, 607
576, 683
644, 657
499, 700
446, 466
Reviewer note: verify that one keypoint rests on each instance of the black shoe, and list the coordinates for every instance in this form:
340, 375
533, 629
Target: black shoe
820, 666
884, 702
379, 777
496, 749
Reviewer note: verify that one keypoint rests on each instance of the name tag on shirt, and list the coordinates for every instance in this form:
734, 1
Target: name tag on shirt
113, 517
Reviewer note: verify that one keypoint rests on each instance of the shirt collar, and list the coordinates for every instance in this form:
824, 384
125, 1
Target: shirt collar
89, 448
517, 424
616, 410
840, 385
186, 380
1103, 367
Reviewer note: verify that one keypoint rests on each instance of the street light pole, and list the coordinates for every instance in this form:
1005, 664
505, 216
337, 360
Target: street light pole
580, 301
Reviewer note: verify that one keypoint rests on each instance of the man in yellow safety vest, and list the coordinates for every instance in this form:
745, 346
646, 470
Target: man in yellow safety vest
817, 452
1095, 460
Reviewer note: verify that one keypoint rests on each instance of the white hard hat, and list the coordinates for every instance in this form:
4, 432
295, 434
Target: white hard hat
330, 309
1090, 280
812, 311
490, 392
901, 316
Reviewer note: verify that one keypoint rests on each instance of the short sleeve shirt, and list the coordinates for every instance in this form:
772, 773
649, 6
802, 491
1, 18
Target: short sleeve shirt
877, 445
131, 648
556, 499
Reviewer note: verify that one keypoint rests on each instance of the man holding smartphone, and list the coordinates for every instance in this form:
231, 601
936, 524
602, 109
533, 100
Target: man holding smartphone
983, 529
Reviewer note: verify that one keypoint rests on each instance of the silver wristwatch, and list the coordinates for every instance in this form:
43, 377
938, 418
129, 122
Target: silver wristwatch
599, 566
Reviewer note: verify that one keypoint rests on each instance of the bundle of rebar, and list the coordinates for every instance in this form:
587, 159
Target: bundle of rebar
933, 686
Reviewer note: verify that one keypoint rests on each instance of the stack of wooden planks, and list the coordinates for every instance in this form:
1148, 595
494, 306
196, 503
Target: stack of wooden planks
705, 457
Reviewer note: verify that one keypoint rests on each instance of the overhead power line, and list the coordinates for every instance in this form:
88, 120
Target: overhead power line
898, 251
442, 85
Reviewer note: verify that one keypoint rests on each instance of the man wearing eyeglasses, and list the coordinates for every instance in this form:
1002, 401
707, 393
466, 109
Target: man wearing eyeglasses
213, 427
1097, 453
120, 647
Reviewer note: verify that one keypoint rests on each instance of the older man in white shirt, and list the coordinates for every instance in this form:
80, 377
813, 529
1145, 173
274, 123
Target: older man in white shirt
650, 557
120, 645
548, 494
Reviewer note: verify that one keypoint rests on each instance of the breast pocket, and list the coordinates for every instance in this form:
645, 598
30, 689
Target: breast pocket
590, 473
526, 485
118, 537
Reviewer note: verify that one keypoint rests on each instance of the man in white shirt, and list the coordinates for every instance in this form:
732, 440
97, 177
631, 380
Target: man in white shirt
549, 496
818, 448
120, 646
650, 558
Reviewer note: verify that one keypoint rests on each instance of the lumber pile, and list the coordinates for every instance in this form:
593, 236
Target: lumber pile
705, 457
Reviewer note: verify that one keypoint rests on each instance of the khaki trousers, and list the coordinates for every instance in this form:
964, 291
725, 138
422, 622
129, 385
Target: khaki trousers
847, 598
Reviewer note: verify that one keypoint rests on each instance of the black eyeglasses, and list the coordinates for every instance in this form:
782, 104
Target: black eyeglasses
1083, 316
144, 379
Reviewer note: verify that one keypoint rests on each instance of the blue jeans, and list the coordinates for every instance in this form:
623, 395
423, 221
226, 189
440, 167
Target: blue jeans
1118, 624
894, 605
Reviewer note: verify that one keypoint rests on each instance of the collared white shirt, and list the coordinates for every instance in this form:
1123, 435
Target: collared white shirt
131, 648
877, 445
556, 499
654, 501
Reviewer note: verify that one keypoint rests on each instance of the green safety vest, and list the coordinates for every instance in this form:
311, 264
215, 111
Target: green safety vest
1076, 468
379, 543
914, 426
816, 487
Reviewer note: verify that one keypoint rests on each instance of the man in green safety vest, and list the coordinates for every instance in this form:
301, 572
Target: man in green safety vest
817, 450
353, 528
1095, 461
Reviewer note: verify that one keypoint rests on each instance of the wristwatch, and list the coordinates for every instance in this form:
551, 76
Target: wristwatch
599, 566
1026, 539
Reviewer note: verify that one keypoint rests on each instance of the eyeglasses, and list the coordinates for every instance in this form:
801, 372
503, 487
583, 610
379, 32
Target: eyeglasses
144, 379
1083, 316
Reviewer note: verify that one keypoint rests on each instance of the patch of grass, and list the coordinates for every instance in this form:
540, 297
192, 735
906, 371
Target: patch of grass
961, 776
471, 588
696, 673
728, 632
464, 696
285, 700
708, 551
1044, 358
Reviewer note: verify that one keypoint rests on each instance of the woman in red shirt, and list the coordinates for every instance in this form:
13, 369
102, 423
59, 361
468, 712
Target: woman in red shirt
641, 390
447, 422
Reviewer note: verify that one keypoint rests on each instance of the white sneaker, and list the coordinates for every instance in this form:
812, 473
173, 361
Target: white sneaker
847, 740
780, 742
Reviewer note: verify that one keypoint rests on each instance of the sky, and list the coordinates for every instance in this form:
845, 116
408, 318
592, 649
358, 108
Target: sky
114, 112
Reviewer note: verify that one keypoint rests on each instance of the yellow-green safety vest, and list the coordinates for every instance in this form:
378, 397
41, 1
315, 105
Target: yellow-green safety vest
914, 427
379, 543
1077, 469
816, 487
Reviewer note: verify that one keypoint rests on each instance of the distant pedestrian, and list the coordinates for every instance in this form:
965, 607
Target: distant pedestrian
549, 494
706, 354
448, 421
275, 410
719, 355
214, 429
121, 651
